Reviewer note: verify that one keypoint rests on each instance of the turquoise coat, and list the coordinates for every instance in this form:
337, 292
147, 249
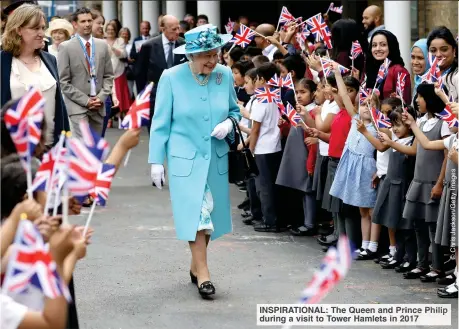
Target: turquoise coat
185, 116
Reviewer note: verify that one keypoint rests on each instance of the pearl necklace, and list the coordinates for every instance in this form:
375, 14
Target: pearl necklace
201, 83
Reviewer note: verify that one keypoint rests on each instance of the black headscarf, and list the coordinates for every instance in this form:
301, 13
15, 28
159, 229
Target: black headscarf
372, 65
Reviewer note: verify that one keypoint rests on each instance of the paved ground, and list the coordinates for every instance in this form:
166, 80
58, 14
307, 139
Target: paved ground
136, 273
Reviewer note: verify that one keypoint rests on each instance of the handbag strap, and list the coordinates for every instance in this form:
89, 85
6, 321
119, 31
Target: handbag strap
238, 129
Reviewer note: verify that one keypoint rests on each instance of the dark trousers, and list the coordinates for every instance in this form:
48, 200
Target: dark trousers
268, 166
406, 246
309, 209
255, 205
108, 113
349, 223
72, 318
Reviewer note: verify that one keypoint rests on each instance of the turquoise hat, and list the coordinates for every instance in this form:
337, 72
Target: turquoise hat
202, 38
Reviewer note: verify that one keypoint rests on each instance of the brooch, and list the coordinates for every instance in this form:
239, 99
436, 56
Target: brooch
219, 78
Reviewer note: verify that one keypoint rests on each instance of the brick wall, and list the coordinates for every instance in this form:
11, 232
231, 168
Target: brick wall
432, 13
438, 13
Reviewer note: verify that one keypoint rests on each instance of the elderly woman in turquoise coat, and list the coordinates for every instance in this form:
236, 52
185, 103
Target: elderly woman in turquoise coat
190, 127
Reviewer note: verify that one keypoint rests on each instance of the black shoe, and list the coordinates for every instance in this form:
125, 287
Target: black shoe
250, 220
246, 214
325, 229
384, 259
367, 254
241, 183
243, 189
432, 276
328, 240
206, 289
194, 278
405, 267
262, 227
244, 203
415, 273
447, 280
390, 265
448, 292
302, 231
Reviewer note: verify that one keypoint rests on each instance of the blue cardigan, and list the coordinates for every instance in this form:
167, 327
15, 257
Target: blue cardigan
61, 119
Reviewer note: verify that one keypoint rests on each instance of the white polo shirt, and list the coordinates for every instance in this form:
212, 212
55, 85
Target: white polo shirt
269, 138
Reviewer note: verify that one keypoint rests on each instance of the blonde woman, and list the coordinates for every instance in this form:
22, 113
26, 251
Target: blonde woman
24, 64
59, 30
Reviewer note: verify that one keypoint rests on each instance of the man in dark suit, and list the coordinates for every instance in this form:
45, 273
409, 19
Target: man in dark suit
145, 28
156, 55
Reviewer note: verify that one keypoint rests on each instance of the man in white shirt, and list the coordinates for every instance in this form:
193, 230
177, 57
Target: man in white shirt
267, 48
156, 55
145, 28
86, 74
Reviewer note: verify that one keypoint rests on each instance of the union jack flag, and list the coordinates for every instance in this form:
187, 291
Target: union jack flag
365, 93
333, 269
139, 112
433, 74
338, 10
267, 95
83, 168
281, 107
292, 115
382, 72
401, 81
96, 144
31, 266
356, 49
287, 81
380, 119
244, 36
302, 36
23, 120
285, 16
328, 69
103, 183
48, 172
275, 81
448, 116
229, 27
319, 29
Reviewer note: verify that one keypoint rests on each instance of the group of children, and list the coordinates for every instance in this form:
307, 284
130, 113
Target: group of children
67, 244
392, 190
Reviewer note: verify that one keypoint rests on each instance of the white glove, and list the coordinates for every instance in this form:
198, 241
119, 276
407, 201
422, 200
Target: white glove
157, 175
222, 129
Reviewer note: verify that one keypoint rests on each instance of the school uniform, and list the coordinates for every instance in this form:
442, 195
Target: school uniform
293, 171
419, 206
449, 200
255, 205
391, 201
321, 168
268, 155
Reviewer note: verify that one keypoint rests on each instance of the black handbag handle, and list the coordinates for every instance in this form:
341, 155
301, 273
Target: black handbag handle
236, 127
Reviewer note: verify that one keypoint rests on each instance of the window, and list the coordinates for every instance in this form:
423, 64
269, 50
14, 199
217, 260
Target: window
414, 20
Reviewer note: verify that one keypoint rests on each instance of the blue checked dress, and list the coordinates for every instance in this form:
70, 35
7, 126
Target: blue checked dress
352, 182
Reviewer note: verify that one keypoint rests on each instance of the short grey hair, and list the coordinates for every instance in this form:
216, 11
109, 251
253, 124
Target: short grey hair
190, 56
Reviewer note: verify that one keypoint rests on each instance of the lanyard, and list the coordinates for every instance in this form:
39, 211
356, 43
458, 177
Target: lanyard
90, 60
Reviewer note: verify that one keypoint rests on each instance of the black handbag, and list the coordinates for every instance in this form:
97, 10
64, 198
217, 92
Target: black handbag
242, 163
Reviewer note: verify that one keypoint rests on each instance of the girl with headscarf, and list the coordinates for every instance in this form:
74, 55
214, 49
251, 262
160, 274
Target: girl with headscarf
384, 45
420, 63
